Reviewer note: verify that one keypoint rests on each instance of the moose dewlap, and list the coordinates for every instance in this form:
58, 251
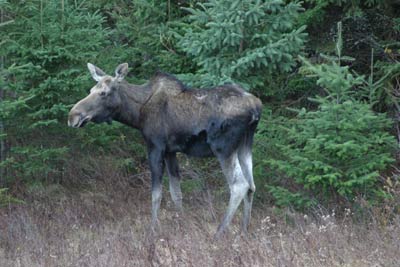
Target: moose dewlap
218, 122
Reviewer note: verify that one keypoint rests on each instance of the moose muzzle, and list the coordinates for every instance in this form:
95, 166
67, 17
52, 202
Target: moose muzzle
77, 119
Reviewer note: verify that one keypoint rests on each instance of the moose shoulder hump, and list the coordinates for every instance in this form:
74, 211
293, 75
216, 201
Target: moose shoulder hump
167, 84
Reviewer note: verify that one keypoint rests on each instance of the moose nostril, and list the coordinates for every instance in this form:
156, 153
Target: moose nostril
74, 118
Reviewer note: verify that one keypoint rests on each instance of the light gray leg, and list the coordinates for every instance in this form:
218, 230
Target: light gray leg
238, 188
156, 160
174, 180
156, 196
246, 164
175, 190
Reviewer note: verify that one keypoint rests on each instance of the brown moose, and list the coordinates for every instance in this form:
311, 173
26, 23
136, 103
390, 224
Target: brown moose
218, 122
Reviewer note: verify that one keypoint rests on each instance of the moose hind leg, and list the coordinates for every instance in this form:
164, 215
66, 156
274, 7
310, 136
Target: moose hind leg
246, 163
238, 188
174, 180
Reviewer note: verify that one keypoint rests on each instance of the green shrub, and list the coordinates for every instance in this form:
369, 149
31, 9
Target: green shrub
285, 198
335, 149
6, 199
341, 147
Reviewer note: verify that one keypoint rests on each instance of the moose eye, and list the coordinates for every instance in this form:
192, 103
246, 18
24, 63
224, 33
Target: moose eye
102, 93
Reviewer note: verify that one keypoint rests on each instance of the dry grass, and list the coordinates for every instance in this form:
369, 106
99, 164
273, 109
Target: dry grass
106, 224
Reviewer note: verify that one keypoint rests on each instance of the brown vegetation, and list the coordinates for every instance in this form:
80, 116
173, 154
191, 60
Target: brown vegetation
106, 224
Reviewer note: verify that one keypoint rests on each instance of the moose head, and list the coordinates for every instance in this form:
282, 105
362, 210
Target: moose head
103, 101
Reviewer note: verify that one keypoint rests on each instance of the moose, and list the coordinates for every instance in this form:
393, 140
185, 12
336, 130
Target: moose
219, 121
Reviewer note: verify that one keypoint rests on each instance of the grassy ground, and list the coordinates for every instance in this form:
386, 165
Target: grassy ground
107, 225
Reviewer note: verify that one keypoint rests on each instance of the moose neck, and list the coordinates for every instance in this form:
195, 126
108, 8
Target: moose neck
133, 97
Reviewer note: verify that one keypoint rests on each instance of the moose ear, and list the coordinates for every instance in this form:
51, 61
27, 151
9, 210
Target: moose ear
121, 71
96, 73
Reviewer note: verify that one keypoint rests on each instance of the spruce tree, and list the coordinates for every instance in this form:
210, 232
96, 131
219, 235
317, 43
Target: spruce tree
45, 49
241, 41
340, 148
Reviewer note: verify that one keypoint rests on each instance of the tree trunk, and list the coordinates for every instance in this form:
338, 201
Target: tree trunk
2, 142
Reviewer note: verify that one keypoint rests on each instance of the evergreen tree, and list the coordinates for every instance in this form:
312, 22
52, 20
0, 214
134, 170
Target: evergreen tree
241, 41
45, 50
141, 30
339, 148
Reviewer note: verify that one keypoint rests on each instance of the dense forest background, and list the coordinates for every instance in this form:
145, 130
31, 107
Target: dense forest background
327, 72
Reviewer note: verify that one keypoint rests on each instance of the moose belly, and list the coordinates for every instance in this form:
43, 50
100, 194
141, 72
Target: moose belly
198, 149
192, 145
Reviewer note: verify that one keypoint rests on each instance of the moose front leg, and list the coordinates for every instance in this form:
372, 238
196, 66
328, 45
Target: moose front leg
174, 179
156, 160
